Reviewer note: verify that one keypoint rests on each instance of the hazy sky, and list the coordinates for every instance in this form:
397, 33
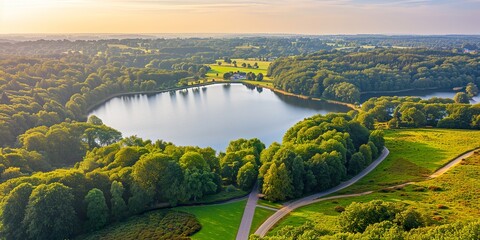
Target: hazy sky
237, 16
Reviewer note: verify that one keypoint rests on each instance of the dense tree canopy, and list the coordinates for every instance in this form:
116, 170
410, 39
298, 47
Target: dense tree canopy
415, 112
343, 75
316, 154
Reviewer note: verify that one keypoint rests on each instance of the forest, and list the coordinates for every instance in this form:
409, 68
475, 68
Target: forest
344, 76
403, 112
66, 174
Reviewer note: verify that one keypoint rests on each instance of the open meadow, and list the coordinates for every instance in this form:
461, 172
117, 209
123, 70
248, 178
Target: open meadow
453, 196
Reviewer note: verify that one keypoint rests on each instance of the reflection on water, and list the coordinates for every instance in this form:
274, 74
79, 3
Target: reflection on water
211, 116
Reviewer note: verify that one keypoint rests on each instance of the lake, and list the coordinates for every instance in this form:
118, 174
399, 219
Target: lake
424, 94
211, 116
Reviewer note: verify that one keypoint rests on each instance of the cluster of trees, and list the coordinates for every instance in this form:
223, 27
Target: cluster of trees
43, 91
249, 76
415, 112
122, 179
316, 154
240, 163
46, 148
343, 76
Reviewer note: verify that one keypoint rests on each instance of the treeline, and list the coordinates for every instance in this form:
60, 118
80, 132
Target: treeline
343, 76
42, 149
46, 91
316, 154
119, 180
415, 112
139, 51
130, 176
381, 220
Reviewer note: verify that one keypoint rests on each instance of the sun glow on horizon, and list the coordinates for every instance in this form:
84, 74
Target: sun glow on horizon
237, 16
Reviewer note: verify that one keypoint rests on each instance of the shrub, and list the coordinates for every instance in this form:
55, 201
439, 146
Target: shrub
419, 189
339, 209
435, 188
441, 206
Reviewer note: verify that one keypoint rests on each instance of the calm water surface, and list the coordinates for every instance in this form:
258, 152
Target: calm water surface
210, 117
422, 94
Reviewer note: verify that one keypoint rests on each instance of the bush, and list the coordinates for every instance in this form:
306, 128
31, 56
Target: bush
339, 209
435, 188
153, 225
419, 189
441, 206
358, 216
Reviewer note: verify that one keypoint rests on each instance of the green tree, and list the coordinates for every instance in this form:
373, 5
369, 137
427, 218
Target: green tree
260, 77
277, 185
95, 120
118, 205
193, 160
367, 153
138, 200
97, 210
247, 175
147, 172
377, 138
49, 213
409, 219
461, 97
414, 117
343, 91
358, 216
199, 183
13, 211
472, 90
356, 163
367, 120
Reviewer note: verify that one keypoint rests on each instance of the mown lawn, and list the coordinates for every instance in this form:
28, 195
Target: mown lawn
218, 221
261, 214
225, 67
269, 204
448, 198
415, 154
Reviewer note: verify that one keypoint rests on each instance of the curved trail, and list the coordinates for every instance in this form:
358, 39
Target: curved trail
270, 222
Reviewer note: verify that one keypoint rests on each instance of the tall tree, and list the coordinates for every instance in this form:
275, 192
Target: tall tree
13, 211
377, 138
461, 97
247, 175
277, 185
49, 213
118, 205
472, 90
356, 163
97, 210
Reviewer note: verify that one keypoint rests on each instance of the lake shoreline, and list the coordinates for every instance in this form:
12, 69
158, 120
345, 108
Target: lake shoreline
103, 101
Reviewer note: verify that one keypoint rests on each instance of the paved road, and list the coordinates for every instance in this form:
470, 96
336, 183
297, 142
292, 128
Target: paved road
272, 220
247, 218
451, 164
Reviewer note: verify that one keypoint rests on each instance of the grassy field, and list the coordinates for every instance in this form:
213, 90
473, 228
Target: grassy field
225, 67
269, 204
450, 197
221, 196
218, 221
415, 154
261, 214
